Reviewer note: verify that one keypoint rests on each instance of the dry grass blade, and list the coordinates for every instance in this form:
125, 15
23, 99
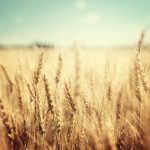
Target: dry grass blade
39, 68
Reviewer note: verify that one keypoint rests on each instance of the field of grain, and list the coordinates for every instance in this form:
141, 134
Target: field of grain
75, 99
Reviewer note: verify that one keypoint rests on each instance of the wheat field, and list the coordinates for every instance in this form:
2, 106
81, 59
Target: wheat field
75, 99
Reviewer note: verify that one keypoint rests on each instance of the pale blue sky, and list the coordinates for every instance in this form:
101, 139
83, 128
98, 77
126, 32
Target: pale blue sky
92, 22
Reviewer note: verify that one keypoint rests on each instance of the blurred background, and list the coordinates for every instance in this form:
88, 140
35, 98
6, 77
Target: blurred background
63, 23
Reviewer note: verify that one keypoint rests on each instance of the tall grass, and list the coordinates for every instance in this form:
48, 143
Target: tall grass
63, 105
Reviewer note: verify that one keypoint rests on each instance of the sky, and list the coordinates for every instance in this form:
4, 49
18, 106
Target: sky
63, 22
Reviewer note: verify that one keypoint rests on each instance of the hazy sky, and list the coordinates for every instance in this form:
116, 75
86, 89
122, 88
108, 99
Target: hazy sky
92, 22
